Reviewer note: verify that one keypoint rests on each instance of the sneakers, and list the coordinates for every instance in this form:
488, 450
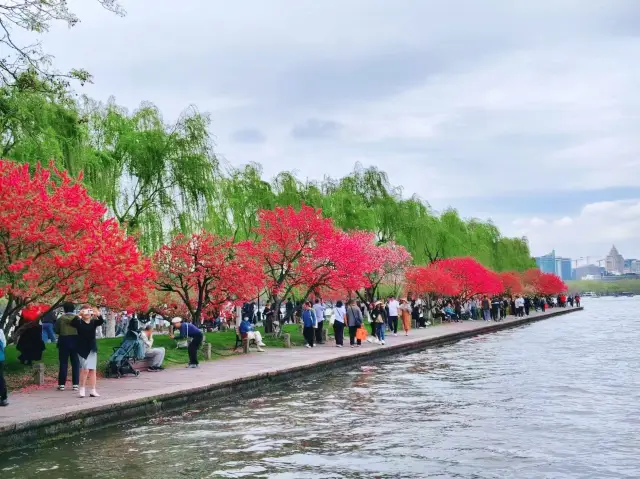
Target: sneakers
4, 403
261, 345
395, 334
81, 392
193, 366
76, 387
94, 394
313, 345
260, 350
61, 387
307, 346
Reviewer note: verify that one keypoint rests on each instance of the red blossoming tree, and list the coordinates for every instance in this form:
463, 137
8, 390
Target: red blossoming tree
304, 252
384, 263
511, 283
55, 245
204, 271
549, 284
431, 280
471, 277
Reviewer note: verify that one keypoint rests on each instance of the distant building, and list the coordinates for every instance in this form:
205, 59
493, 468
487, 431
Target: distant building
547, 263
550, 263
563, 268
614, 262
590, 270
631, 266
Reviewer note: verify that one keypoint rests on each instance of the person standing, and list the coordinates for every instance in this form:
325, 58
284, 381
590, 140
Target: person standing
155, 355
48, 323
379, 319
393, 306
405, 311
87, 347
4, 400
527, 305
67, 347
486, 308
577, 300
354, 321
309, 322
339, 313
288, 311
28, 337
188, 330
318, 309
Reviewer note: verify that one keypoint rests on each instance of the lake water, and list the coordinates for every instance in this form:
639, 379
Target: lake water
556, 399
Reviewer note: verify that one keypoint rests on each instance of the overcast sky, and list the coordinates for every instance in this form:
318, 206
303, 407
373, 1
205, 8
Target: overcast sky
524, 112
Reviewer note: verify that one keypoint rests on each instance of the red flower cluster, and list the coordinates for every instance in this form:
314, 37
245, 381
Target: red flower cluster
55, 244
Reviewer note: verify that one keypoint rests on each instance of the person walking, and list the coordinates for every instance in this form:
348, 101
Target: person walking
309, 322
193, 336
379, 319
4, 400
354, 321
486, 308
340, 314
577, 300
318, 309
87, 347
527, 305
393, 306
67, 347
405, 311
154, 355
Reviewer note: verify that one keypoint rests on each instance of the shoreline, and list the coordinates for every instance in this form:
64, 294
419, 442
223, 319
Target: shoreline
44, 416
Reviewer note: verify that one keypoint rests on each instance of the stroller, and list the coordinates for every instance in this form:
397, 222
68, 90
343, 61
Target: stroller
123, 359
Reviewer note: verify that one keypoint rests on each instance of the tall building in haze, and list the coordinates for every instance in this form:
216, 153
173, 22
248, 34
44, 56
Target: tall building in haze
550, 263
614, 262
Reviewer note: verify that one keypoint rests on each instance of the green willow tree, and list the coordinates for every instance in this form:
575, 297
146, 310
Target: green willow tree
155, 177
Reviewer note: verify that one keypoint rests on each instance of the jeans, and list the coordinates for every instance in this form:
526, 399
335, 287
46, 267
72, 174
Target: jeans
486, 314
309, 335
47, 333
318, 332
192, 349
67, 352
352, 334
393, 324
338, 332
380, 331
3, 384
474, 313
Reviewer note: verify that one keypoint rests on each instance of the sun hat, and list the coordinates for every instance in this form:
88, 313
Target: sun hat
177, 319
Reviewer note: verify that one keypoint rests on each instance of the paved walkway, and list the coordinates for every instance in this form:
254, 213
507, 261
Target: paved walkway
42, 404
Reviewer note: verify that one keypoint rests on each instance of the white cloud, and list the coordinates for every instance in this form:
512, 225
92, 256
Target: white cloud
590, 233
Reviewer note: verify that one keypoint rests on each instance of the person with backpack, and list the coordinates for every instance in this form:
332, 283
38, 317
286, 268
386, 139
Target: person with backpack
68, 347
354, 320
3, 385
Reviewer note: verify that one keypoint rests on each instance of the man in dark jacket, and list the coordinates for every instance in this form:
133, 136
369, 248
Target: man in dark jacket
67, 347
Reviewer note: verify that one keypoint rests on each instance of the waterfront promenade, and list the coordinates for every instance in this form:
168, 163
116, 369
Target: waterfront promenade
42, 414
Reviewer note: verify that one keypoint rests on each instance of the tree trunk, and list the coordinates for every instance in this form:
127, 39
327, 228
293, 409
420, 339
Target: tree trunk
111, 324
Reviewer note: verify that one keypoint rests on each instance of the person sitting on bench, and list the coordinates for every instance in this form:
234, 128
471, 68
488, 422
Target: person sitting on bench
247, 332
154, 355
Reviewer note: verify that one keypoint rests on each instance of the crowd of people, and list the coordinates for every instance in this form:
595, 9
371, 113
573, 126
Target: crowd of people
75, 331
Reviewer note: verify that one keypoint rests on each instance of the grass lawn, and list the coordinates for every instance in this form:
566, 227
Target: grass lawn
222, 344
